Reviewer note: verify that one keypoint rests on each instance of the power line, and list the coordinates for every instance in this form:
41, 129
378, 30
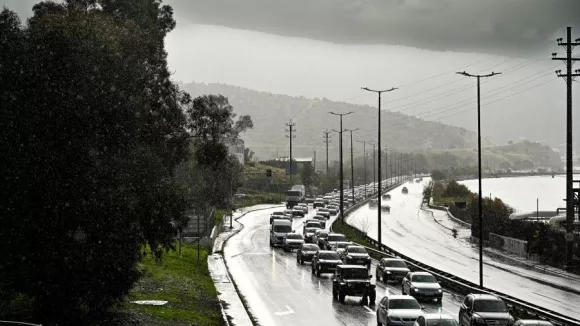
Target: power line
569, 77
326, 140
290, 130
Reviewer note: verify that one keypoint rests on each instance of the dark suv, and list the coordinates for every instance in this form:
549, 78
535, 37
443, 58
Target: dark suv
325, 261
391, 269
353, 280
356, 255
484, 309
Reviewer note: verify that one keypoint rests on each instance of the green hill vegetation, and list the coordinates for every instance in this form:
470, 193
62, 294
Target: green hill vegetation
270, 113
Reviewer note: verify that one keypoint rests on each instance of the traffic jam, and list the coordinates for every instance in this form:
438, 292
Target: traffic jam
350, 265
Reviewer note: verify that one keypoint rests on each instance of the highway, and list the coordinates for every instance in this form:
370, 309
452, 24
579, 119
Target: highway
281, 292
414, 233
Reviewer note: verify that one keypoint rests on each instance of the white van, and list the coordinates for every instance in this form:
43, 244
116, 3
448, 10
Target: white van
278, 231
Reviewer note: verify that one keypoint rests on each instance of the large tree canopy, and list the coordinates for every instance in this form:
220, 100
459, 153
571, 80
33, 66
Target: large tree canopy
91, 131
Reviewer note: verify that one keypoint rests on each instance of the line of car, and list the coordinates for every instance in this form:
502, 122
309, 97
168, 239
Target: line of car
350, 264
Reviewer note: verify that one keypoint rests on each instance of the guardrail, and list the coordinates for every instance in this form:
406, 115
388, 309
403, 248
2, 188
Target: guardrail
466, 286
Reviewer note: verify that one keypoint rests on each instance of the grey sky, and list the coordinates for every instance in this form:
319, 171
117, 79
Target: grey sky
512, 27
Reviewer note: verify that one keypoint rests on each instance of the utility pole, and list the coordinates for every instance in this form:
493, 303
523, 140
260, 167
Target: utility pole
569, 77
391, 168
290, 130
386, 164
341, 171
374, 168
480, 200
314, 161
326, 140
379, 92
352, 164
365, 163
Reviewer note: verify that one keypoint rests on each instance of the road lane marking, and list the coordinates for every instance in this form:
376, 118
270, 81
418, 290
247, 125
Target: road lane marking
370, 311
287, 312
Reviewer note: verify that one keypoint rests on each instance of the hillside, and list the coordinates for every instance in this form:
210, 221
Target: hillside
271, 112
519, 156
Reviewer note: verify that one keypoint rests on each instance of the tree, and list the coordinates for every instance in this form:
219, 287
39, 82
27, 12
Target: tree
248, 154
92, 131
244, 123
307, 174
437, 175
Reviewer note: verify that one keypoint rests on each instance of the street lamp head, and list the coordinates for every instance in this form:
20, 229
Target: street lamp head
558, 71
554, 55
559, 41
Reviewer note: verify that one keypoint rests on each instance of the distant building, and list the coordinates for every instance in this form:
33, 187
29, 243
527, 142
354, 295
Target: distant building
236, 148
299, 161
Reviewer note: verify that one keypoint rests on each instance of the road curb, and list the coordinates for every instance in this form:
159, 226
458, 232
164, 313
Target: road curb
221, 246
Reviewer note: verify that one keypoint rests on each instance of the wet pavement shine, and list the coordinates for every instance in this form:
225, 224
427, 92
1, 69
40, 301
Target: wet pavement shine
280, 291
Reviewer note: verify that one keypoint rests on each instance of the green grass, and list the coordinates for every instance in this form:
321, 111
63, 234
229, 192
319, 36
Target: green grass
218, 215
185, 283
256, 198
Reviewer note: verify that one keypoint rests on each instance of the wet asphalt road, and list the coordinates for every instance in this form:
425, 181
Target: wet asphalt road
414, 232
279, 291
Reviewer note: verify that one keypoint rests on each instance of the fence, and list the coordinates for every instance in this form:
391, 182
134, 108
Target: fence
516, 246
198, 225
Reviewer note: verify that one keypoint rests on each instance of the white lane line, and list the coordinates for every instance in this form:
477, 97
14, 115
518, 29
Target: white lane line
370, 311
287, 312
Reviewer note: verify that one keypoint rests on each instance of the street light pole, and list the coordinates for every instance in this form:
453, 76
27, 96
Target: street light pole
480, 199
341, 172
379, 92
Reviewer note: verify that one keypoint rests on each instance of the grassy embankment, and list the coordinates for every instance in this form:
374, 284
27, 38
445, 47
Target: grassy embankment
255, 175
181, 280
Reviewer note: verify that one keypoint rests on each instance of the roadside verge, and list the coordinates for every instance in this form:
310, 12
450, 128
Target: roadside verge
235, 310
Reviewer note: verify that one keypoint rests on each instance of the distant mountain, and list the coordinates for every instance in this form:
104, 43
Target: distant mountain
519, 156
271, 112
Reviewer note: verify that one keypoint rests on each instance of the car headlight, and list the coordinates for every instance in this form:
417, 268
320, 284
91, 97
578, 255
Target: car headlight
348, 257
415, 290
479, 320
439, 290
388, 272
342, 283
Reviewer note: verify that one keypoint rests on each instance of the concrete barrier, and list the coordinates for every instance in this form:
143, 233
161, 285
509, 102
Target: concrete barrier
515, 246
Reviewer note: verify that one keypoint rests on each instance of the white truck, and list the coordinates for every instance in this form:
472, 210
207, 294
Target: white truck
295, 195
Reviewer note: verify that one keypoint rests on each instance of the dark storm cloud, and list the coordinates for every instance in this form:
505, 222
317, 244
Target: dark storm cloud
493, 26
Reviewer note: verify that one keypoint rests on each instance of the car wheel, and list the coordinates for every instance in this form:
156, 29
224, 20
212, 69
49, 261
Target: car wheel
364, 301
373, 297
341, 297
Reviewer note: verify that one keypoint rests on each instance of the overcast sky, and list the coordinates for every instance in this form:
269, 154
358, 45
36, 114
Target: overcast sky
314, 48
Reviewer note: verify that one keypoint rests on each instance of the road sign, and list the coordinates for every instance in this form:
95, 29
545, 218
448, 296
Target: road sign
569, 236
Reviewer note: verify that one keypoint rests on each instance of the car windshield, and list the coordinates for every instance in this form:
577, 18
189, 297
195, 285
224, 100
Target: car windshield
336, 237
311, 230
489, 306
278, 213
292, 193
323, 210
329, 256
357, 250
294, 236
355, 274
403, 304
442, 322
322, 235
282, 228
312, 224
424, 279
342, 244
395, 263
310, 247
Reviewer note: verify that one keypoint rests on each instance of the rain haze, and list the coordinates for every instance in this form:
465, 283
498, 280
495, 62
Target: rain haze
289, 162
